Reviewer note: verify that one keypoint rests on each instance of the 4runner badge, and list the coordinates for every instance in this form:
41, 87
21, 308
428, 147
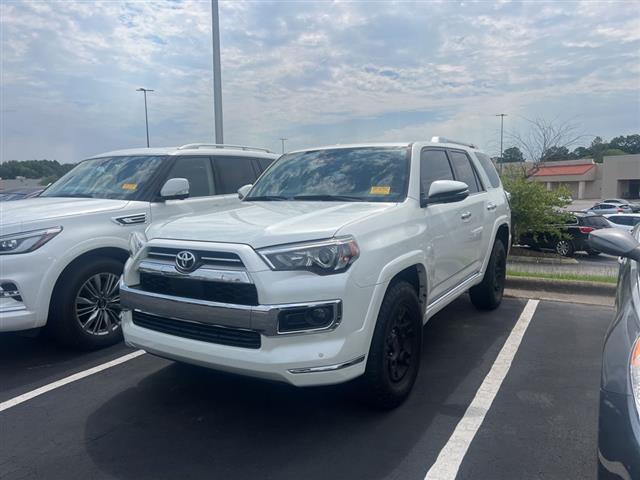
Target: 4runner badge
185, 261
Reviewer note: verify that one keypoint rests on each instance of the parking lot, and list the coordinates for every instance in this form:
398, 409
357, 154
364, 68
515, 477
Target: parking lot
152, 418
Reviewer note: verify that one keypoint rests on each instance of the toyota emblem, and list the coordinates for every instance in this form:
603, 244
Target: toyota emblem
185, 261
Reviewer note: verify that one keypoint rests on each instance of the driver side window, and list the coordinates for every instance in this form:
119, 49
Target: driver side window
199, 173
434, 165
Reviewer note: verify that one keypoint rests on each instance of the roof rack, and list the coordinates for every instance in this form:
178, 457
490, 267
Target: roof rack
195, 146
448, 140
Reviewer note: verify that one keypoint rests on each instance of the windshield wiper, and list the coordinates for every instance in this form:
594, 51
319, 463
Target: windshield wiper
268, 198
71, 195
330, 198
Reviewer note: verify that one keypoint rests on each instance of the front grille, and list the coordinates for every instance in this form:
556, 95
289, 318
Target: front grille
232, 337
205, 257
223, 292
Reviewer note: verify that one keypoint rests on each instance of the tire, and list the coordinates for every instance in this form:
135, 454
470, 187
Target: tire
564, 248
387, 381
87, 295
487, 295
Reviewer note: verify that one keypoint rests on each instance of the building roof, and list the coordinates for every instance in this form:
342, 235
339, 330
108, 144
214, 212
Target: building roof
552, 170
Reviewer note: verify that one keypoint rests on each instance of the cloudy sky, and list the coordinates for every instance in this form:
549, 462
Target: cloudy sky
314, 72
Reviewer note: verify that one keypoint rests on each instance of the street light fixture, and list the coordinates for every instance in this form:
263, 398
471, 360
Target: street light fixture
146, 116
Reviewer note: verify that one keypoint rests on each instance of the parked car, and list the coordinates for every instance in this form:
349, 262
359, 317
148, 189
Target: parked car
20, 194
61, 253
619, 424
328, 270
625, 221
635, 207
574, 235
609, 208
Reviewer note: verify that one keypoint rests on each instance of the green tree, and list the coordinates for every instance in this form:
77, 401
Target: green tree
580, 152
628, 143
556, 153
34, 169
598, 147
534, 208
511, 155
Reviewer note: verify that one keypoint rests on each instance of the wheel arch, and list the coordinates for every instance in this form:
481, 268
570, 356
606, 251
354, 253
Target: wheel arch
416, 276
114, 253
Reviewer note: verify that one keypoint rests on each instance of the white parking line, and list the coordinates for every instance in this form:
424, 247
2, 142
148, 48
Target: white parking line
67, 380
450, 457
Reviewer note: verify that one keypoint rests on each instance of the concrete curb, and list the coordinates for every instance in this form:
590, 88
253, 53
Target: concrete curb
545, 260
569, 287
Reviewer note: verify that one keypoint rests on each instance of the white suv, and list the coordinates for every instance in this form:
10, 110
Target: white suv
62, 253
328, 269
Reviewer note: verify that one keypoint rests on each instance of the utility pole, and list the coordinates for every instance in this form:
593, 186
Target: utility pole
282, 139
217, 80
501, 115
146, 115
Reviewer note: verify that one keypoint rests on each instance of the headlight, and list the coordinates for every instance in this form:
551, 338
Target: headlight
322, 257
26, 241
634, 371
136, 242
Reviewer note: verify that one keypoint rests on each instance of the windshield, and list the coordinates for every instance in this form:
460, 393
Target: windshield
368, 174
110, 177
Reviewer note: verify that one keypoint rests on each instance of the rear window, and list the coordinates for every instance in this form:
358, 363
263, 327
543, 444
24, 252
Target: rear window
595, 222
489, 169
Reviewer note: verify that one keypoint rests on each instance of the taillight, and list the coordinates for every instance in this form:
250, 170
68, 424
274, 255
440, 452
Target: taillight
634, 371
620, 210
586, 229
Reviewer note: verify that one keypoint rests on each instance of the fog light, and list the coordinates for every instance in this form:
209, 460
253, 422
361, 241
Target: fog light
10, 290
308, 318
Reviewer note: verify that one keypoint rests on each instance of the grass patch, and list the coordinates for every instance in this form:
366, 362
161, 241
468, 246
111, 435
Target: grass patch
563, 276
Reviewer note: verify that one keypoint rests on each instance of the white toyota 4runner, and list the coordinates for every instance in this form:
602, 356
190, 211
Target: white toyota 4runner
328, 268
62, 253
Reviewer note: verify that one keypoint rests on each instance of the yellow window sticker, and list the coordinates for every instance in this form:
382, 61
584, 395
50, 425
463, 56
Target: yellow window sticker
380, 190
129, 186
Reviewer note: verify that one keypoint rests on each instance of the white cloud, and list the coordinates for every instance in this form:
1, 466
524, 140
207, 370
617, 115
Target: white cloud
69, 70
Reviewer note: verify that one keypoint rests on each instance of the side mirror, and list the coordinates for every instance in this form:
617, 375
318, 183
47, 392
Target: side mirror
615, 241
445, 191
243, 190
175, 189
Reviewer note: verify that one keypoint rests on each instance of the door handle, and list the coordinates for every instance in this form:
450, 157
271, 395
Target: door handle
465, 216
491, 206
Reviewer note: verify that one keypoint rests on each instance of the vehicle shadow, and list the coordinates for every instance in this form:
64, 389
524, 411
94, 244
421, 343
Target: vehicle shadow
189, 422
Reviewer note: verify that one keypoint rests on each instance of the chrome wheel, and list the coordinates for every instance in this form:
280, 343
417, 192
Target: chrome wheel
97, 304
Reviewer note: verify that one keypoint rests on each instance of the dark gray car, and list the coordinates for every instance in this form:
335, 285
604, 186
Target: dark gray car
619, 424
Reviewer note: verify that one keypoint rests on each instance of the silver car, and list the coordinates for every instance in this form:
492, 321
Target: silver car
610, 208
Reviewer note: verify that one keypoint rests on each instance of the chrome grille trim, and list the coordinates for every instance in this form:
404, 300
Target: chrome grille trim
202, 273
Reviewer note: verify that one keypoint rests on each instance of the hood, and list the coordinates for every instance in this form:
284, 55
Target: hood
39, 209
262, 224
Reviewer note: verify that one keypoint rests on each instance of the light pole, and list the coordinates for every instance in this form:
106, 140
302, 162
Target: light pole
282, 139
501, 115
146, 116
217, 80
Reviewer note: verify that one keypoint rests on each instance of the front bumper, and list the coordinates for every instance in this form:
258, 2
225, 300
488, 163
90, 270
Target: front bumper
618, 437
21, 310
300, 360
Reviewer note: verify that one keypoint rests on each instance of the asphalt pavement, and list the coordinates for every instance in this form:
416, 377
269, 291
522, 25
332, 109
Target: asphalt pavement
152, 418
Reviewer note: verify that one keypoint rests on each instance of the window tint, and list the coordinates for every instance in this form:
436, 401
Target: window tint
464, 171
434, 165
198, 171
232, 173
572, 221
489, 169
595, 221
370, 174
264, 163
